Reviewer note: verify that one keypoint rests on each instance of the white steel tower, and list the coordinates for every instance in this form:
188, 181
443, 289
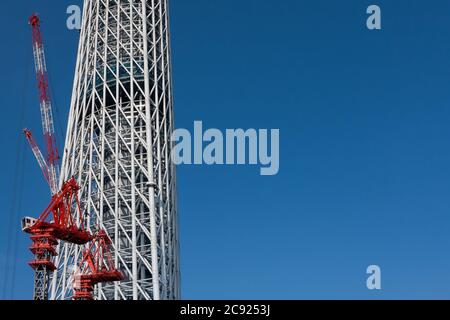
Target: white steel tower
118, 148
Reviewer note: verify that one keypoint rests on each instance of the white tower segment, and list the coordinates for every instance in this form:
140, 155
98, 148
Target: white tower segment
118, 147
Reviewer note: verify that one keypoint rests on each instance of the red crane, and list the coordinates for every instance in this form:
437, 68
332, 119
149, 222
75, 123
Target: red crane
57, 222
95, 267
62, 219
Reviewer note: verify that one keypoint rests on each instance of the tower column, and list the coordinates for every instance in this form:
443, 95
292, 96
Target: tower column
118, 148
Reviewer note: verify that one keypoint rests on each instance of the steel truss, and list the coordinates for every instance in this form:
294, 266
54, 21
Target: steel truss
118, 149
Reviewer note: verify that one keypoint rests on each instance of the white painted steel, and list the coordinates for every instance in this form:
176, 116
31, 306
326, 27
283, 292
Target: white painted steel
118, 148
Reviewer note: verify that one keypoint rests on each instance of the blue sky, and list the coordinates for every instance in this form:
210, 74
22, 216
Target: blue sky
364, 165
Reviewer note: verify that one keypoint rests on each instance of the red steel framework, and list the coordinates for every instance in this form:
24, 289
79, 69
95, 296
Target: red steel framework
63, 224
61, 220
57, 222
95, 267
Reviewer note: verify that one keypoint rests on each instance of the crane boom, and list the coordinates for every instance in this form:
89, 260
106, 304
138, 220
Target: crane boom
38, 154
45, 104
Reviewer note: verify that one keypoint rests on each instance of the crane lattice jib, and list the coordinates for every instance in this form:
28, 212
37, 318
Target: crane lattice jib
38, 154
45, 104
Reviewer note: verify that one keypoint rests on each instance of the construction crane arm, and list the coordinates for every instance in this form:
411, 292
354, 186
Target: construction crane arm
63, 216
39, 157
45, 101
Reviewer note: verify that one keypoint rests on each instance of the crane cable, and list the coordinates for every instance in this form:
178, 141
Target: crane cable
16, 226
60, 130
13, 227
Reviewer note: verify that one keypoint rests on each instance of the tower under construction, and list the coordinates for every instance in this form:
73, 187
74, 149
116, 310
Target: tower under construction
118, 148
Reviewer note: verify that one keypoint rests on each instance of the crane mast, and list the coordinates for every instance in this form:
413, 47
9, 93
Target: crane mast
45, 104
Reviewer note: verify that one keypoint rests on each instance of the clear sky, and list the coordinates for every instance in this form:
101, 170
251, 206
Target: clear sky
364, 120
